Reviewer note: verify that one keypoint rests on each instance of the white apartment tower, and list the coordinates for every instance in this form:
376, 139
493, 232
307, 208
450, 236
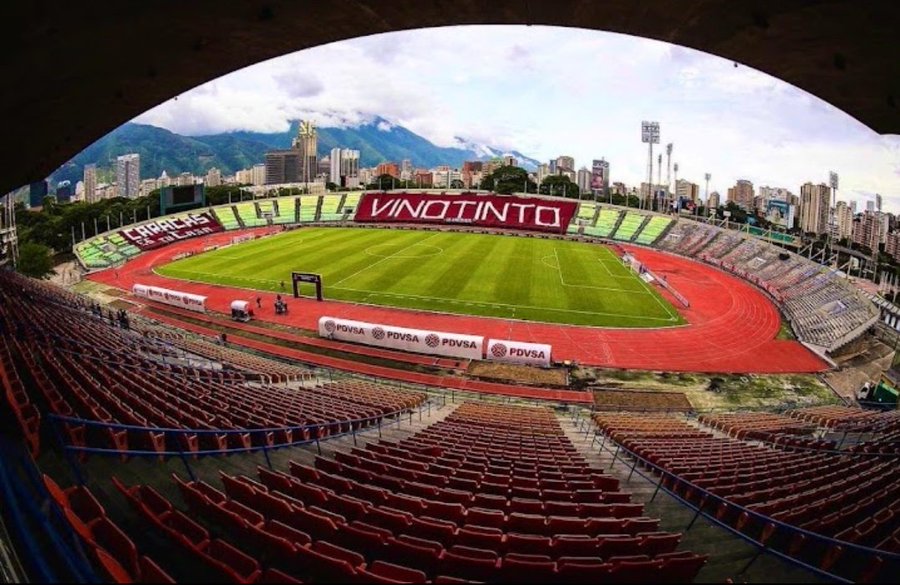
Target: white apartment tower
128, 175
90, 183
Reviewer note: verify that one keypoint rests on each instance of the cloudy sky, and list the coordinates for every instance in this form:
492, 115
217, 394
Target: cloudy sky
549, 91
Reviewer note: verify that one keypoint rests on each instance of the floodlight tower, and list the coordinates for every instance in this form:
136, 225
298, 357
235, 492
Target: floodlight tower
675, 192
668, 169
707, 176
658, 174
833, 182
650, 136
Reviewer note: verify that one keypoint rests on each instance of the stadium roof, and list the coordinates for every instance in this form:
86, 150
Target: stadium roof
74, 70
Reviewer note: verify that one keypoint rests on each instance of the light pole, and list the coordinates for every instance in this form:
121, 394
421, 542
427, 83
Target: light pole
658, 175
675, 194
650, 136
668, 169
833, 181
707, 176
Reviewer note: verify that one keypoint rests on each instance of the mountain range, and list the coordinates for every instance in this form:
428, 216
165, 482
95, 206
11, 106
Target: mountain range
377, 141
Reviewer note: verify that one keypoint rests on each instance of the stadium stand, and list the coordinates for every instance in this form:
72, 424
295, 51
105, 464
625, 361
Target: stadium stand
249, 214
653, 230
606, 223
493, 493
228, 217
86, 368
769, 492
281, 209
330, 207
308, 207
628, 226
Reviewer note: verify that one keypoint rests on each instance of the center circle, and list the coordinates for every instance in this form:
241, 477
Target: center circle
401, 251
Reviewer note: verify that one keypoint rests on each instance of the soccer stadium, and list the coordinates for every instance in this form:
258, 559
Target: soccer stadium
445, 386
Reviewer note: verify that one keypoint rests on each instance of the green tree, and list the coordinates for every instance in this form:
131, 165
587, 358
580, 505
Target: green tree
383, 182
560, 186
508, 179
35, 260
456, 184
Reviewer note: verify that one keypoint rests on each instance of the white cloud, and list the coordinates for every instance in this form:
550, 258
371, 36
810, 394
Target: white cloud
549, 91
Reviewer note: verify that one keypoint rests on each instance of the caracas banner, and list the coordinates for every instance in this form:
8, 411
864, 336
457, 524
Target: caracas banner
416, 340
171, 297
518, 352
497, 211
160, 232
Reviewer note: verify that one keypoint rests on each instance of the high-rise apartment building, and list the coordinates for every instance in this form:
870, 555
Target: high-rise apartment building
686, 190
388, 168
892, 245
406, 169
584, 180
870, 206
90, 183
869, 230
600, 177
345, 167
213, 178
306, 144
742, 194
815, 207
714, 200
565, 163
128, 175
843, 221
258, 174
510, 161
282, 166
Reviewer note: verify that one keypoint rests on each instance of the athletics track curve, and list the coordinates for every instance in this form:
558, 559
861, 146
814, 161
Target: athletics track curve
731, 324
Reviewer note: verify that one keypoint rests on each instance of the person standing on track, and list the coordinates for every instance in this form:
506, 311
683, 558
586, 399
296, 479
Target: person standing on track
259, 302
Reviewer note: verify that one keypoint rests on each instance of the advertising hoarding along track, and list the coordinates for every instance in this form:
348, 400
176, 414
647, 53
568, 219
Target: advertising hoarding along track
402, 338
184, 300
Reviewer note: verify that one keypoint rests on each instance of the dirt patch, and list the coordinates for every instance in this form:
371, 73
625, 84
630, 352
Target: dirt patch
120, 304
516, 373
611, 399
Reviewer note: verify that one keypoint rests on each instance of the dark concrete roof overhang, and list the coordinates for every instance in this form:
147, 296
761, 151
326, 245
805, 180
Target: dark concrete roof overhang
75, 69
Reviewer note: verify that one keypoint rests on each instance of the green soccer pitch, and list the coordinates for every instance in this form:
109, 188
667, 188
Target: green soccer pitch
552, 281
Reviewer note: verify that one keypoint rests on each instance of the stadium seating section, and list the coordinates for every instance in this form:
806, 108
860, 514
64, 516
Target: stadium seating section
493, 493
628, 226
606, 223
227, 216
653, 230
249, 214
83, 366
837, 494
308, 207
330, 206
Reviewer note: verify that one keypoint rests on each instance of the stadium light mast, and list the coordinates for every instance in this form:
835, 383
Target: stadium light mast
669, 147
675, 193
650, 136
833, 182
658, 174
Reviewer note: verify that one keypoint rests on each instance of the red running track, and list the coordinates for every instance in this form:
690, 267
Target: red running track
731, 325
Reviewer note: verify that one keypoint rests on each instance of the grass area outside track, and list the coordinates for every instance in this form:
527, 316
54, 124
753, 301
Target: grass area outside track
530, 279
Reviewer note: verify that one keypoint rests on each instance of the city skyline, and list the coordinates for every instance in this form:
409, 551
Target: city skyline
517, 87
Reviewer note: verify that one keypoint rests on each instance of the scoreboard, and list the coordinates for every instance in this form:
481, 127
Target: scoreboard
181, 198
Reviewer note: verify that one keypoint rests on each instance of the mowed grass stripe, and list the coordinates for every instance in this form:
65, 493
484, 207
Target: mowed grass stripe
501, 276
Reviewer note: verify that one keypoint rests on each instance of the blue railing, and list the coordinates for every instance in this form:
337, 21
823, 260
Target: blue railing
180, 435
770, 525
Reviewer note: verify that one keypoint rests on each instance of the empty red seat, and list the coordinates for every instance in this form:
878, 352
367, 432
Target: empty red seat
432, 529
290, 533
231, 563
574, 545
418, 553
480, 537
276, 576
382, 572
151, 573
108, 536
583, 570
483, 517
518, 568
680, 567
469, 563
532, 544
